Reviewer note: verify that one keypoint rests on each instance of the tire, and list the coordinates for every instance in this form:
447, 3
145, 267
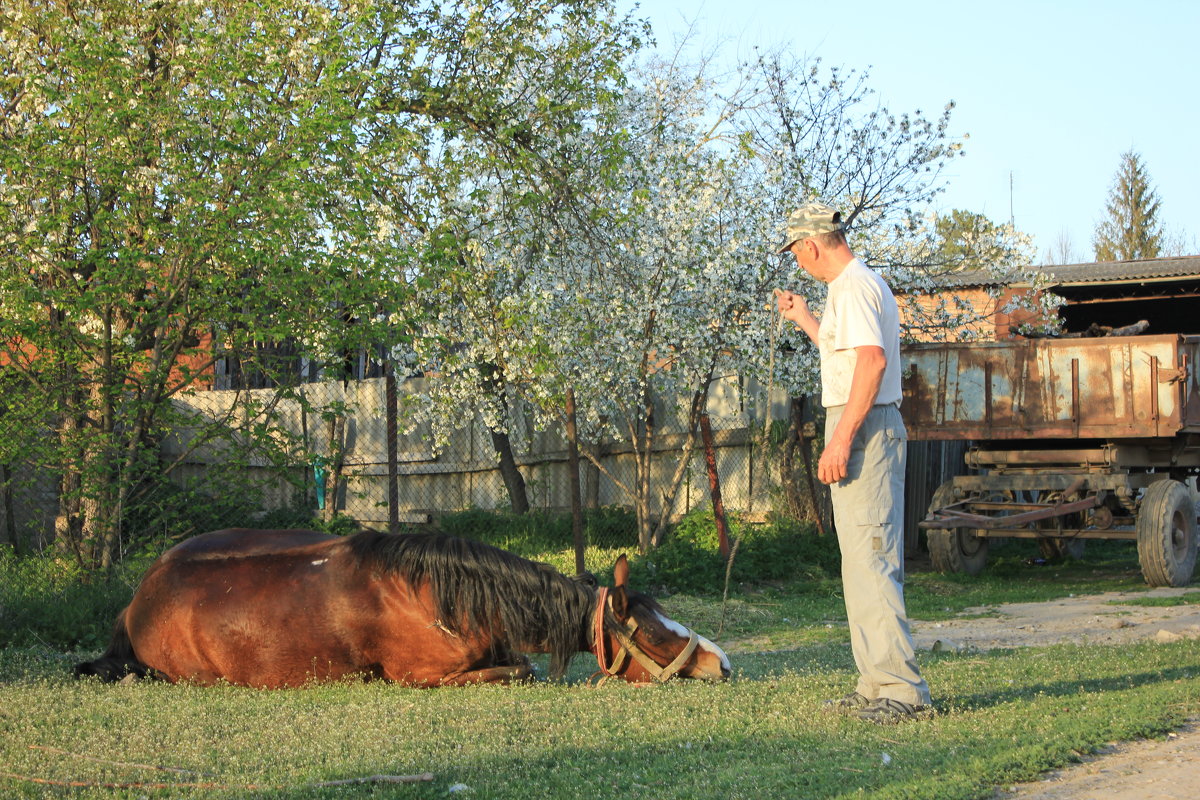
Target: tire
956, 549
1166, 534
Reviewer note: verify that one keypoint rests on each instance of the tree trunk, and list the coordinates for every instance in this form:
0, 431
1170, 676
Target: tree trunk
699, 403
491, 381
10, 521
817, 491
799, 503
87, 525
68, 524
513, 480
643, 456
333, 478
591, 476
714, 487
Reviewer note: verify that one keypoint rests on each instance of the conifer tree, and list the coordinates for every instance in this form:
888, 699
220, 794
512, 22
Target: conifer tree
1130, 228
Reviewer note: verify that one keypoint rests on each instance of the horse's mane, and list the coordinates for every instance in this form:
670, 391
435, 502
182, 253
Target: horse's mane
477, 587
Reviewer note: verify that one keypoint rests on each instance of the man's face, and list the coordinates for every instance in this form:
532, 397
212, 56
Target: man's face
805, 255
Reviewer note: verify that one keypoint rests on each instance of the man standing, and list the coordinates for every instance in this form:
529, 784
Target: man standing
858, 336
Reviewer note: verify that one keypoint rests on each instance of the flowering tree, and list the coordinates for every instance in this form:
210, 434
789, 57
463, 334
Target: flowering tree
674, 297
175, 172
489, 196
638, 310
171, 172
821, 133
655, 284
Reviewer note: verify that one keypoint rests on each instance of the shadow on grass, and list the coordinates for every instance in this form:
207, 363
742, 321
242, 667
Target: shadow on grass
995, 696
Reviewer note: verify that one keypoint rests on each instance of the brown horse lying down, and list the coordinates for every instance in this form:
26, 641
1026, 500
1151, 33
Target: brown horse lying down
282, 608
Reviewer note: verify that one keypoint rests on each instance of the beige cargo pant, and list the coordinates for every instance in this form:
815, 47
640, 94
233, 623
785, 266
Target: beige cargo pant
868, 513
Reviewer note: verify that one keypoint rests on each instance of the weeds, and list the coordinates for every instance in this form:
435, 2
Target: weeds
1003, 715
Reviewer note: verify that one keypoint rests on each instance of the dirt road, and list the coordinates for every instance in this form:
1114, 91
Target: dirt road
1090, 619
1144, 770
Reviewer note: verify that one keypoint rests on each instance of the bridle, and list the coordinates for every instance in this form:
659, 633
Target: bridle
623, 633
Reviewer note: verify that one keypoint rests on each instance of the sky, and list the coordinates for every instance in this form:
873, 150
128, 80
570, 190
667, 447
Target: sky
1050, 93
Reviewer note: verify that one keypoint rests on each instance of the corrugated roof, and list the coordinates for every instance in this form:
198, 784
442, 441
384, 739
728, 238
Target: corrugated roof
1124, 271
1181, 267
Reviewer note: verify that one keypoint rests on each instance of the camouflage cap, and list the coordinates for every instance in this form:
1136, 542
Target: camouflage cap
813, 219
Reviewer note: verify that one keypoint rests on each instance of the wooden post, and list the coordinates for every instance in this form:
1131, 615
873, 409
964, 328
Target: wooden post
806, 454
393, 456
10, 523
573, 487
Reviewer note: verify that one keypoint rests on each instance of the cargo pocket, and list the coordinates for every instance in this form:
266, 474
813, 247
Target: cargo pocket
872, 517
872, 514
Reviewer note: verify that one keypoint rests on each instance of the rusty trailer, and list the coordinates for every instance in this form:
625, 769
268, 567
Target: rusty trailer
1072, 439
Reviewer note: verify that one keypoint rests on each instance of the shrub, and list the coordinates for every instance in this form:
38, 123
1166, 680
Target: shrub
610, 526
167, 512
533, 534
306, 518
689, 559
47, 599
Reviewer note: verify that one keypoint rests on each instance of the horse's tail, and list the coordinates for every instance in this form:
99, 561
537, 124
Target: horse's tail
118, 660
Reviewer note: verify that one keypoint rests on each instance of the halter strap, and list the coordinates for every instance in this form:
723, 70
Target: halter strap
629, 649
598, 641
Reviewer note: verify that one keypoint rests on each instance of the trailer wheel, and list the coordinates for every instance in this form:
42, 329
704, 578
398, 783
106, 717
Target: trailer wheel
1166, 534
957, 549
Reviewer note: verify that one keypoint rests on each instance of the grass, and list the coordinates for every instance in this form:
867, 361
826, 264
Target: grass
810, 610
1188, 599
1004, 716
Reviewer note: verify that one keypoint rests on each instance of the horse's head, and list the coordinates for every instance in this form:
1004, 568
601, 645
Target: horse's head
636, 641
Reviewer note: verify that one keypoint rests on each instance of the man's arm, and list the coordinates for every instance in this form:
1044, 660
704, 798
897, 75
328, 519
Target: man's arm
864, 388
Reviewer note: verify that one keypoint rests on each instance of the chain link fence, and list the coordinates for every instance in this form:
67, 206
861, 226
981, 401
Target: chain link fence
339, 452
336, 456
351, 456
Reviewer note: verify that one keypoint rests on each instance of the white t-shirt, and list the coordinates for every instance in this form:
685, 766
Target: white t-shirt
860, 310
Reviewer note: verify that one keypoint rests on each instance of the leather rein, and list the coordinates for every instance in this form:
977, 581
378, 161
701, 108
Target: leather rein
623, 633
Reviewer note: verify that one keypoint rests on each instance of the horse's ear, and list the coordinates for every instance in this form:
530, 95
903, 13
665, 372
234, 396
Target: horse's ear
618, 595
621, 571
620, 602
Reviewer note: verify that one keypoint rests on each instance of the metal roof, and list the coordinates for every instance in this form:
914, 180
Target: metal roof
1142, 270
1125, 271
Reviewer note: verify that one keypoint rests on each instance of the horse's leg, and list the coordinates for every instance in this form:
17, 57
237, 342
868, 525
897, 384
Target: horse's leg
509, 674
509, 666
450, 662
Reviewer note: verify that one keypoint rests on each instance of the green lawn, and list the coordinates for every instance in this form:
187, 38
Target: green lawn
1004, 716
